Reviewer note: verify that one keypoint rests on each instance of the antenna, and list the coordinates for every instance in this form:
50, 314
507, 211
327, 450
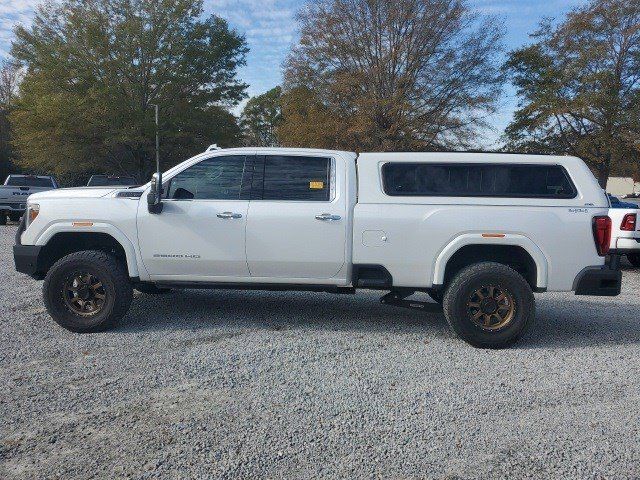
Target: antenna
158, 150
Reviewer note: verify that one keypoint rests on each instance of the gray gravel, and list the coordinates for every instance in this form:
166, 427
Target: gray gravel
226, 384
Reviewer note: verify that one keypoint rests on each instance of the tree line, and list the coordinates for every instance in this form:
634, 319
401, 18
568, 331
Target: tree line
77, 95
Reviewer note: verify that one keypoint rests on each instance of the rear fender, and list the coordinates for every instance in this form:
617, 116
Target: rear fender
492, 239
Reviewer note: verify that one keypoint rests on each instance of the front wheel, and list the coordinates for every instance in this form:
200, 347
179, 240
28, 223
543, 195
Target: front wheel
87, 291
489, 305
634, 259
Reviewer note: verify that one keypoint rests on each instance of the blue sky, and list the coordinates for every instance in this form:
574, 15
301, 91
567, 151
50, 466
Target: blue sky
270, 29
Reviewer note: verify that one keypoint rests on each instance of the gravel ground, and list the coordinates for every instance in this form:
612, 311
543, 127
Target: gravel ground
225, 384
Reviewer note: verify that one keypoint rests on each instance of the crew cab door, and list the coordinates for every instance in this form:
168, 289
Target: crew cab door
298, 220
200, 233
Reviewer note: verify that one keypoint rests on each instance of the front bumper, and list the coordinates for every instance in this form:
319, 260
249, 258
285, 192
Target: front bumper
27, 259
604, 281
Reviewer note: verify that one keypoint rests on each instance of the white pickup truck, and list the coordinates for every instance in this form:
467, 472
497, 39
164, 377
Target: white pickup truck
478, 232
16, 190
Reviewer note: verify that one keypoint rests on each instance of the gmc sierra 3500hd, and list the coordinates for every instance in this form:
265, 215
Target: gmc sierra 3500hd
478, 232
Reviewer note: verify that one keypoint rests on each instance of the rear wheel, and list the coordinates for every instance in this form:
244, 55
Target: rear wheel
87, 291
634, 259
489, 305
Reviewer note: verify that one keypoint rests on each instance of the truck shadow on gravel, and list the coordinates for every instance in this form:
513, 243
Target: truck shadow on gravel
194, 309
561, 322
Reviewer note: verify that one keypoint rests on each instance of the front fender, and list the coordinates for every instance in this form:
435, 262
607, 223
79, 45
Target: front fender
481, 239
93, 227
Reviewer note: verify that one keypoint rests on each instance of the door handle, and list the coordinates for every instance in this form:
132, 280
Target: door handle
327, 217
229, 215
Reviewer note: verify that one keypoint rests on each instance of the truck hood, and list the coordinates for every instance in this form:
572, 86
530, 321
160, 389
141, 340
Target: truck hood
83, 192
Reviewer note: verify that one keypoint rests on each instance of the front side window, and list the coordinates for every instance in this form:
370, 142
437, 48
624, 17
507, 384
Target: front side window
477, 180
216, 178
297, 178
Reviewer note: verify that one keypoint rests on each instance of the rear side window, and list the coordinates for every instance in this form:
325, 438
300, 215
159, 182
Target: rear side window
477, 180
296, 178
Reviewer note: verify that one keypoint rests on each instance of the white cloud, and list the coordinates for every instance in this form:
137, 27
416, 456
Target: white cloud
12, 13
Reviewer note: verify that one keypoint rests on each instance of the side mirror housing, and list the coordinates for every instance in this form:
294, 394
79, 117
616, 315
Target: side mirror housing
154, 198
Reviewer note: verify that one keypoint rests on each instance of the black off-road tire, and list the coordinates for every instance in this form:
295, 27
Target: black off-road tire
14, 217
634, 259
115, 281
3, 218
460, 291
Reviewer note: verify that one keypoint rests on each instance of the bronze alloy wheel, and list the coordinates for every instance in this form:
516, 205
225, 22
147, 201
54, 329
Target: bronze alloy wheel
84, 294
491, 307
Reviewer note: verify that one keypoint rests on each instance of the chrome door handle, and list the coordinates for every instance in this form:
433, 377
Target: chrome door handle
229, 215
327, 217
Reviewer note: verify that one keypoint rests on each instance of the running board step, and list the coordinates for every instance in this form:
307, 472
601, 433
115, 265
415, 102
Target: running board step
398, 299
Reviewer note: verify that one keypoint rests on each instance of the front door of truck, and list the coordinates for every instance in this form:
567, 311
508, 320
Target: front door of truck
298, 220
200, 233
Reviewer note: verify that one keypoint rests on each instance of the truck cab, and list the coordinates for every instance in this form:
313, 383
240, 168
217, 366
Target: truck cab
479, 233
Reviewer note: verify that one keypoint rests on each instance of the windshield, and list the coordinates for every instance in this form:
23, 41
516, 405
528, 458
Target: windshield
26, 181
111, 182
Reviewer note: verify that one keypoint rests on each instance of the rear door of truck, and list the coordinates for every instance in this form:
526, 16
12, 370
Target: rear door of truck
298, 221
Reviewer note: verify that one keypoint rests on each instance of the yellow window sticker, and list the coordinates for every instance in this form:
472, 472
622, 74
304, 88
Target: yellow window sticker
315, 185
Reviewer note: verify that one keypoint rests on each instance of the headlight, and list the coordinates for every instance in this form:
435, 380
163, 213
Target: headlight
33, 209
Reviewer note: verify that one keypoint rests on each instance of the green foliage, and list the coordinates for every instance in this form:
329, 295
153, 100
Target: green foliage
579, 86
94, 69
261, 117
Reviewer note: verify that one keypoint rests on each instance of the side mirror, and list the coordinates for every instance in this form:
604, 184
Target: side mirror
154, 198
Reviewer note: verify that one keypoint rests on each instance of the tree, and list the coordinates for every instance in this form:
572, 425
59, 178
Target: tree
309, 122
579, 88
94, 70
9, 79
260, 119
403, 75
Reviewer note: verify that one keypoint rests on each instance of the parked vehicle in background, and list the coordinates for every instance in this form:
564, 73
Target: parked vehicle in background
617, 203
109, 181
16, 190
625, 234
477, 232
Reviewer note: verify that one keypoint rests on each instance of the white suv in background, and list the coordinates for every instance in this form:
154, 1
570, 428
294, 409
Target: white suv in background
625, 236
